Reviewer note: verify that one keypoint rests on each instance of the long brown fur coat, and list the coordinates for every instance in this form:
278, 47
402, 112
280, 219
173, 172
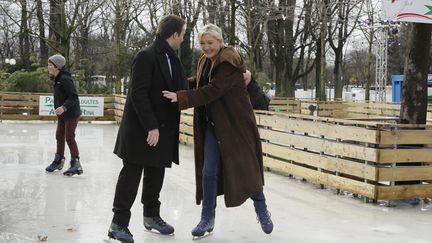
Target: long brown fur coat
235, 127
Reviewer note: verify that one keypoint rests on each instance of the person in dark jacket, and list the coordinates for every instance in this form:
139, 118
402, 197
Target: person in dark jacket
258, 99
148, 136
67, 109
227, 144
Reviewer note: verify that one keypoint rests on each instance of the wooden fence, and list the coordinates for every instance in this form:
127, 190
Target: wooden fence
378, 160
25, 106
341, 109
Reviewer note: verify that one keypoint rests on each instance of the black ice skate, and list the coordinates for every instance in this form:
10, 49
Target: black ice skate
75, 168
57, 164
206, 225
158, 224
120, 233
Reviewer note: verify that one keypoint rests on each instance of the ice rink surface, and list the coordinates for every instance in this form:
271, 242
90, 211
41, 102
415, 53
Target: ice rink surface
35, 204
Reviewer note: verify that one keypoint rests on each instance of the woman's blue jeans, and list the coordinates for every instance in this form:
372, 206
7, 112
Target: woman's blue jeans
212, 160
210, 172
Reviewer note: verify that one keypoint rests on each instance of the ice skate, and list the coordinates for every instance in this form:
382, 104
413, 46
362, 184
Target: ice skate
57, 164
158, 224
120, 233
263, 215
75, 168
203, 229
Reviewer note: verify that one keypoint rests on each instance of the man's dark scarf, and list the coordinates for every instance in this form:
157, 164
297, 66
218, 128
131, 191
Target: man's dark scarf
178, 74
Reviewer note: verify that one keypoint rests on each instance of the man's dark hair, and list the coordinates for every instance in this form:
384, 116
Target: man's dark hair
170, 24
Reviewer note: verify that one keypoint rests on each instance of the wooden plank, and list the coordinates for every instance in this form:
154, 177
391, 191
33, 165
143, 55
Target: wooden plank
189, 111
20, 96
109, 99
353, 168
19, 110
321, 145
186, 129
354, 186
186, 120
405, 173
118, 106
118, 113
27, 117
404, 192
404, 155
405, 137
186, 139
19, 103
319, 128
109, 105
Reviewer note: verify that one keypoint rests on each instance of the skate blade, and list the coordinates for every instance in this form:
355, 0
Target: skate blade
158, 233
202, 237
72, 173
112, 239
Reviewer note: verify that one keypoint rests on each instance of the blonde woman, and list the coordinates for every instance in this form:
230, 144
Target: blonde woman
228, 155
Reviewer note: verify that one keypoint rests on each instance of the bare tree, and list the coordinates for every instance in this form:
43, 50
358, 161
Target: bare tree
342, 26
414, 93
24, 38
324, 15
43, 47
189, 11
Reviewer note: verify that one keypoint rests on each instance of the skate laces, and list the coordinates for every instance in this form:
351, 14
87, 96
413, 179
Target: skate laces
204, 223
123, 230
126, 230
159, 221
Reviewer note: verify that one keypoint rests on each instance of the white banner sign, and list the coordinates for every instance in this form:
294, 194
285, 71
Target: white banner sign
90, 106
418, 11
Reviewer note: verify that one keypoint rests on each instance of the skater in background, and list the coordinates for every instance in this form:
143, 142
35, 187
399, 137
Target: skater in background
148, 137
228, 156
258, 99
67, 109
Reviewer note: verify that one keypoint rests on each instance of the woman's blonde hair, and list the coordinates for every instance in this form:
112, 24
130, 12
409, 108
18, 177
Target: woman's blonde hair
211, 29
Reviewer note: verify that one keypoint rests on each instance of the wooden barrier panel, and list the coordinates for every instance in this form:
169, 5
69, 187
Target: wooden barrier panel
363, 157
372, 157
25, 106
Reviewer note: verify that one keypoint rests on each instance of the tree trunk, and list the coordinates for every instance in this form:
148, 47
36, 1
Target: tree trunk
24, 37
231, 33
289, 78
318, 69
323, 64
414, 92
42, 39
59, 36
337, 74
118, 50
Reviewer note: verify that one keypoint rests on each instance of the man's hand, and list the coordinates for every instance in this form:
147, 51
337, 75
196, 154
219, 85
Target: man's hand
153, 137
247, 77
59, 110
170, 95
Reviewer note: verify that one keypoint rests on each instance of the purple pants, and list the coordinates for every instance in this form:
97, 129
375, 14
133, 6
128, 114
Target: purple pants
66, 131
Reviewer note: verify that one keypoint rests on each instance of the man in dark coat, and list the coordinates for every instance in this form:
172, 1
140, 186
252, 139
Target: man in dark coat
148, 136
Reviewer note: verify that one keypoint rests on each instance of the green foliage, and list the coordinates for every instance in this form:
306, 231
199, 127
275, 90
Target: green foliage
263, 80
89, 88
20, 81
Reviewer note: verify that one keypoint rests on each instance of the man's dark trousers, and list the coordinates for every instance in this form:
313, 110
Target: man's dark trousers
127, 187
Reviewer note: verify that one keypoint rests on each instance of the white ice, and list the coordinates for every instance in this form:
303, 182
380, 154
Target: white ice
78, 209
